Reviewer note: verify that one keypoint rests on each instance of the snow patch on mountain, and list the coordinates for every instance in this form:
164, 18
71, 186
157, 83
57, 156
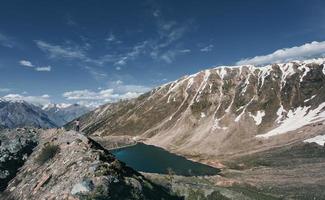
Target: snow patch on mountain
281, 114
297, 118
319, 139
203, 115
306, 70
310, 98
259, 117
216, 125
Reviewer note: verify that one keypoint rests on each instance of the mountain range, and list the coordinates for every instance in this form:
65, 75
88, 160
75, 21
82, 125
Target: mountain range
263, 126
15, 114
222, 112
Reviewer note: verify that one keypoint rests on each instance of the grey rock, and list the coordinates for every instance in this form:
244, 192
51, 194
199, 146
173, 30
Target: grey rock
84, 186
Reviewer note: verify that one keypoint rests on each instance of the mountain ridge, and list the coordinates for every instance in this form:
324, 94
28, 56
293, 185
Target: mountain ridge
222, 111
69, 165
19, 113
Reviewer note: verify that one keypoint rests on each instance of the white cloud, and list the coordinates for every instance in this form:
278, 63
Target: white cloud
4, 90
96, 74
165, 46
119, 82
121, 61
111, 37
118, 68
73, 52
170, 55
185, 51
6, 41
117, 92
207, 48
45, 96
156, 13
70, 21
308, 50
43, 69
26, 63
36, 100
58, 51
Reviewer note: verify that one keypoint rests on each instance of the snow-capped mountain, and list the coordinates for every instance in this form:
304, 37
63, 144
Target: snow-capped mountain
223, 111
64, 113
14, 113
21, 114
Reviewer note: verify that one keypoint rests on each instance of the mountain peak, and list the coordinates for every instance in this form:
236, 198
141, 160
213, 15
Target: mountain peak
222, 110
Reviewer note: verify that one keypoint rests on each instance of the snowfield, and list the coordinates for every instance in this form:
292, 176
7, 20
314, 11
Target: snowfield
320, 140
297, 118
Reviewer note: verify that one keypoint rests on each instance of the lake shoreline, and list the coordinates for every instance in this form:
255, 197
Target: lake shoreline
121, 147
210, 162
126, 141
153, 159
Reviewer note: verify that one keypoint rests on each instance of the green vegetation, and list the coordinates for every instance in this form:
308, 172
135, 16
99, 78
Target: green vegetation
47, 153
252, 192
199, 195
170, 176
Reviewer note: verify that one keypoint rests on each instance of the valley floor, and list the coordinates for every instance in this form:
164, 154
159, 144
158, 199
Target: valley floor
295, 171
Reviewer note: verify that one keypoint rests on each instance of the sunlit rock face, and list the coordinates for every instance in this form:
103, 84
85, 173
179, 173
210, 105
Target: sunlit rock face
223, 111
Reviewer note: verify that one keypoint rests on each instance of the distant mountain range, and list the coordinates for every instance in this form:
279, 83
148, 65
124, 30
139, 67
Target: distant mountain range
64, 113
15, 114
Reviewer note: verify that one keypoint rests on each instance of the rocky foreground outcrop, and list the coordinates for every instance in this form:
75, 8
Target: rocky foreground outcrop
15, 147
68, 165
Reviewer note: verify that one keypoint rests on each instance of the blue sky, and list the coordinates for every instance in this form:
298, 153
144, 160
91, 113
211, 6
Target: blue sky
94, 52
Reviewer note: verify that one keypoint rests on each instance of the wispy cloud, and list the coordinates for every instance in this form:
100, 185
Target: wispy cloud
207, 48
58, 51
170, 55
70, 21
73, 52
133, 53
96, 74
6, 41
110, 38
43, 69
308, 50
166, 46
26, 63
185, 51
37, 100
5, 90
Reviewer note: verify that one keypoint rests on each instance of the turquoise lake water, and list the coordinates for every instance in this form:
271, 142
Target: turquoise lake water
148, 158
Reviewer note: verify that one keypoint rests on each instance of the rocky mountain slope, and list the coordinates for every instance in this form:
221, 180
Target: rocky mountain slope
15, 114
64, 113
68, 165
15, 147
224, 111
21, 114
